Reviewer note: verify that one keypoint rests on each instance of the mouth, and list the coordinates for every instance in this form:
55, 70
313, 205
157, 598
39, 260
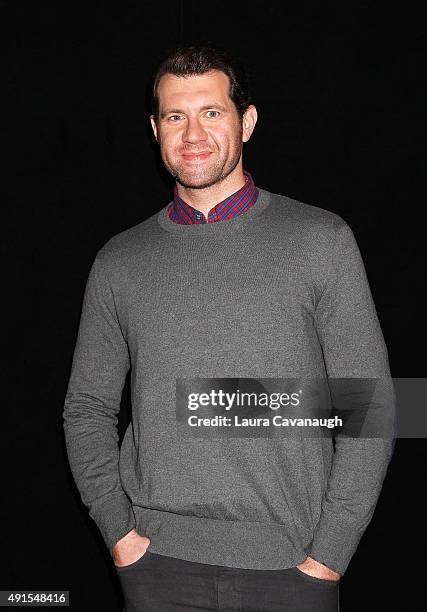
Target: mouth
196, 157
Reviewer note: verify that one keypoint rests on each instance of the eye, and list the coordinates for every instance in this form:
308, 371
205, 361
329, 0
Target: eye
171, 117
212, 111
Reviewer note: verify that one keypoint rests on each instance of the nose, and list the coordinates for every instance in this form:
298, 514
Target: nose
194, 131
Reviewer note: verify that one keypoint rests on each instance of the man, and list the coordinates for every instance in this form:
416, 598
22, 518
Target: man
227, 282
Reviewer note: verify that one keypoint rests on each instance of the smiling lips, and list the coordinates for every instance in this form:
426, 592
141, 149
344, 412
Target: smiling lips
196, 157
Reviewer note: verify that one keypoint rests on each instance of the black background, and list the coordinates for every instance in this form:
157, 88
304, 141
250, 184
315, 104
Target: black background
336, 86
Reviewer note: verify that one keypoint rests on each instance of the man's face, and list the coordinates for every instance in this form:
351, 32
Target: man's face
197, 116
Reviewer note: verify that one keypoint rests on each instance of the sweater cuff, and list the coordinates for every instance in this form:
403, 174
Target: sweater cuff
114, 517
334, 543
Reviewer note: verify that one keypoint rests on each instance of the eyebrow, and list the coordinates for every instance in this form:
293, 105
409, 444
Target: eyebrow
201, 108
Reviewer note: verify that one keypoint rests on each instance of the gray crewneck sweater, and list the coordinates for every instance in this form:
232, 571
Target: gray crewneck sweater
278, 291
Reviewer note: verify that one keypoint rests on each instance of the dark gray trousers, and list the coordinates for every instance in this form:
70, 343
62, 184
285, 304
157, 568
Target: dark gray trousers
157, 583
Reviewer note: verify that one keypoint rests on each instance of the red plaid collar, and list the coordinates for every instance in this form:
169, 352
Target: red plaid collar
181, 212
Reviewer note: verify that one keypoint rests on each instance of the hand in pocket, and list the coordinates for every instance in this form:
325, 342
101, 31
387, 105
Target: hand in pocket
315, 569
130, 549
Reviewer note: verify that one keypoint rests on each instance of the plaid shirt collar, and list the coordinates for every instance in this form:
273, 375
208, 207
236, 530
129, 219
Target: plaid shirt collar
181, 212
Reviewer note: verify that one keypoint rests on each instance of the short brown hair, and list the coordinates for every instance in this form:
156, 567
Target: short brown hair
199, 58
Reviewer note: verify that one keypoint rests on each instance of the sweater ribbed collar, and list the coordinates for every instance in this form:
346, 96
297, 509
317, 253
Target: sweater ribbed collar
226, 226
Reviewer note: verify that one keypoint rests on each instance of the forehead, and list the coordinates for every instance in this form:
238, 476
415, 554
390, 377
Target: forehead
211, 85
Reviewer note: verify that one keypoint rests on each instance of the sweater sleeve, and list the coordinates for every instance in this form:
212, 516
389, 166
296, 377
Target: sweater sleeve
92, 403
353, 346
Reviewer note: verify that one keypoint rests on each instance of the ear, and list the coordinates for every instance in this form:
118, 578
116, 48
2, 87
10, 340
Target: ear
154, 126
250, 117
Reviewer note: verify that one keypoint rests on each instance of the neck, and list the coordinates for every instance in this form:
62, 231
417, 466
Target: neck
205, 199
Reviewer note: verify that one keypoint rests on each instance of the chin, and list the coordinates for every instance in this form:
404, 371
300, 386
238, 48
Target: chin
196, 182
202, 184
